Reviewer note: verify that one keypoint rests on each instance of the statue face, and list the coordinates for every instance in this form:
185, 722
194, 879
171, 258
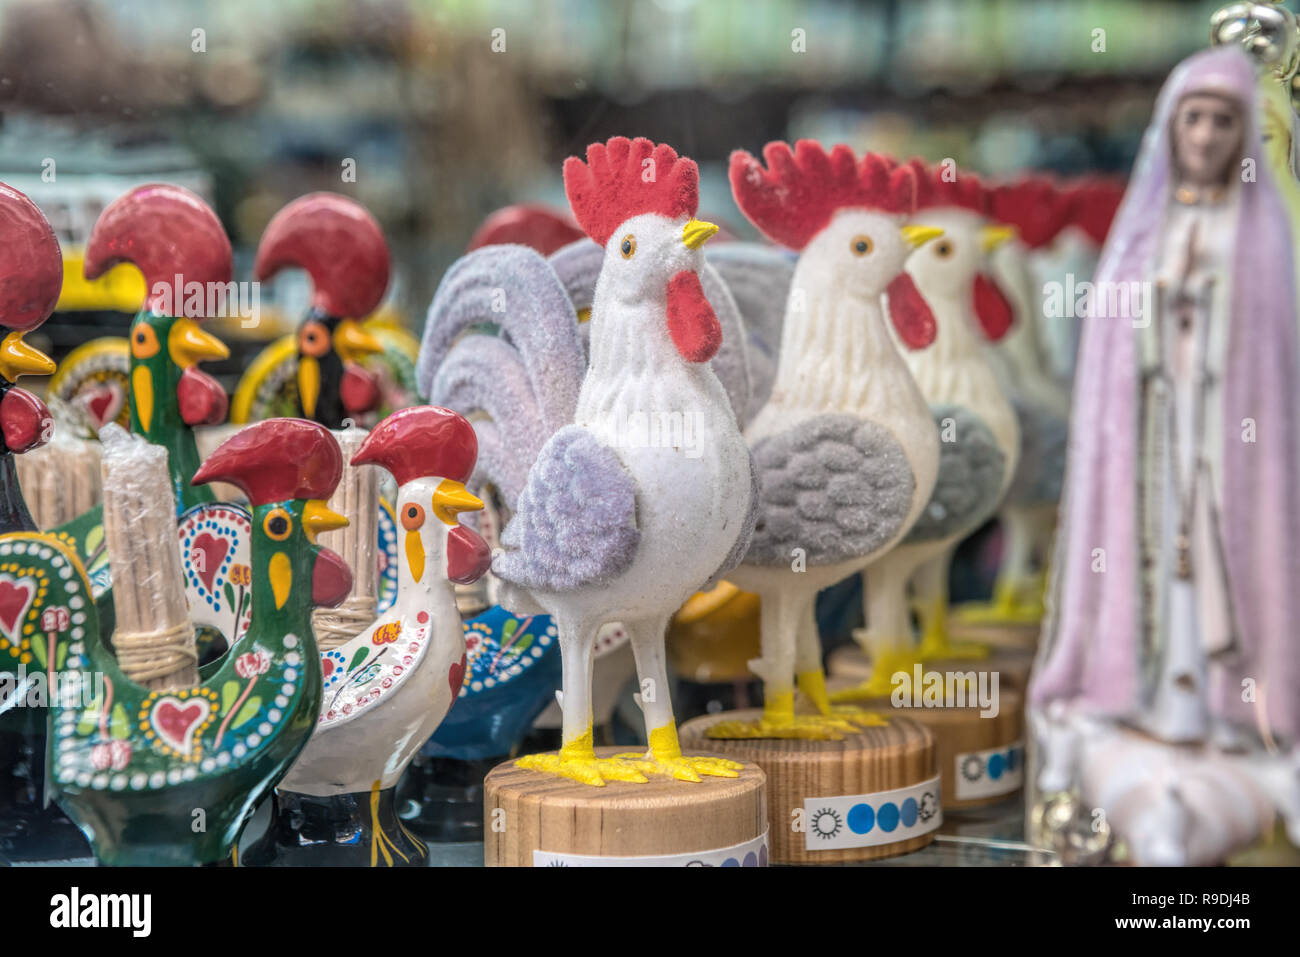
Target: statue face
1207, 135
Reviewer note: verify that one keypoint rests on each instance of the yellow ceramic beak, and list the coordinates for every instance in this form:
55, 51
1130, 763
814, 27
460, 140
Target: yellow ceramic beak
697, 232
188, 344
352, 342
451, 498
991, 237
308, 384
918, 236
317, 518
18, 358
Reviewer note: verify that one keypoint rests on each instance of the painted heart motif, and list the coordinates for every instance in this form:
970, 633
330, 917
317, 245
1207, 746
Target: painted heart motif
175, 720
16, 597
214, 551
456, 676
103, 402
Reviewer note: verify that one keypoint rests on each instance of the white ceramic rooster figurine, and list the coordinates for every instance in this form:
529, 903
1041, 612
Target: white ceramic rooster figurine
978, 435
845, 449
389, 687
615, 523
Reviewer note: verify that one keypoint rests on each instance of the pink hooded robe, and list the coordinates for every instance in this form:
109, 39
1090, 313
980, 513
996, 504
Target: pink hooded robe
1092, 638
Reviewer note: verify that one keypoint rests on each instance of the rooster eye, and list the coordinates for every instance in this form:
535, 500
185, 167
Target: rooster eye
412, 517
628, 247
144, 341
943, 249
861, 245
277, 524
314, 340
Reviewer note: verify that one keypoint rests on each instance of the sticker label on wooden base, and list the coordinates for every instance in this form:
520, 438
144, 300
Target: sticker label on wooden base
868, 820
749, 854
981, 774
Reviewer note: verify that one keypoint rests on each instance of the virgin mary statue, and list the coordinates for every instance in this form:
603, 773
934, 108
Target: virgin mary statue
1175, 605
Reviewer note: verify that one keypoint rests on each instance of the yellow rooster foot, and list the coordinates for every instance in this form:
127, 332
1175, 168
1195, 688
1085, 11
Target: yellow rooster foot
881, 682
813, 685
1013, 604
585, 770
935, 647
683, 767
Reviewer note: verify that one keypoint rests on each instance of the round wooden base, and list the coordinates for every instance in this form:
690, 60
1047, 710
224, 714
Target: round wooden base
1005, 635
981, 759
534, 819
873, 794
1011, 664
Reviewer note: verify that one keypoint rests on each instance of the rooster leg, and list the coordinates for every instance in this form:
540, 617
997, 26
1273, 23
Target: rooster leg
812, 678
576, 758
887, 639
1018, 591
931, 583
781, 615
665, 753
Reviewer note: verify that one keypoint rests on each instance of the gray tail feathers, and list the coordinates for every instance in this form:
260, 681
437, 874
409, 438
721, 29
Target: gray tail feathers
501, 346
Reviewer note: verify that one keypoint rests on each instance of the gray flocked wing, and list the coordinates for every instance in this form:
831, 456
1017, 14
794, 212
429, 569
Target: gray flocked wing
746, 536
575, 523
970, 476
835, 486
1041, 469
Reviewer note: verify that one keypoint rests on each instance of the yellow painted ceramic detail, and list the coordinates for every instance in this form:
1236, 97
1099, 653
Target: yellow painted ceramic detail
993, 236
142, 395
308, 384
281, 575
450, 498
353, 343
188, 344
284, 349
121, 288
415, 555
381, 843
317, 517
17, 358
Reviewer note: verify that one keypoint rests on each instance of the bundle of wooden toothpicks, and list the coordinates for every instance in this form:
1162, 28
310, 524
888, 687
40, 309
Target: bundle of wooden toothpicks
154, 639
356, 498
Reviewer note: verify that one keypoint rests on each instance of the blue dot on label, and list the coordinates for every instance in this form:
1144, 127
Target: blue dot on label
909, 812
888, 816
751, 859
861, 818
996, 766
731, 862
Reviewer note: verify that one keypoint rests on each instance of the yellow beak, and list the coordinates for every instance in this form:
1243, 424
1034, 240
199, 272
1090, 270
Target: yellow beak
697, 232
317, 517
188, 344
18, 358
308, 384
991, 237
918, 236
451, 498
352, 342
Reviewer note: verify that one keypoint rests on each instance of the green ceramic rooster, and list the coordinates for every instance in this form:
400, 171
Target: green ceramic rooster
171, 777
178, 243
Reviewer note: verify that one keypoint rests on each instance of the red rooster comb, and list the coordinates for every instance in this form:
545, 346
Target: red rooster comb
166, 231
625, 178
538, 227
275, 460
1093, 204
941, 185
1034, 205
422, 441
340, 245
795, 197
31, 265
